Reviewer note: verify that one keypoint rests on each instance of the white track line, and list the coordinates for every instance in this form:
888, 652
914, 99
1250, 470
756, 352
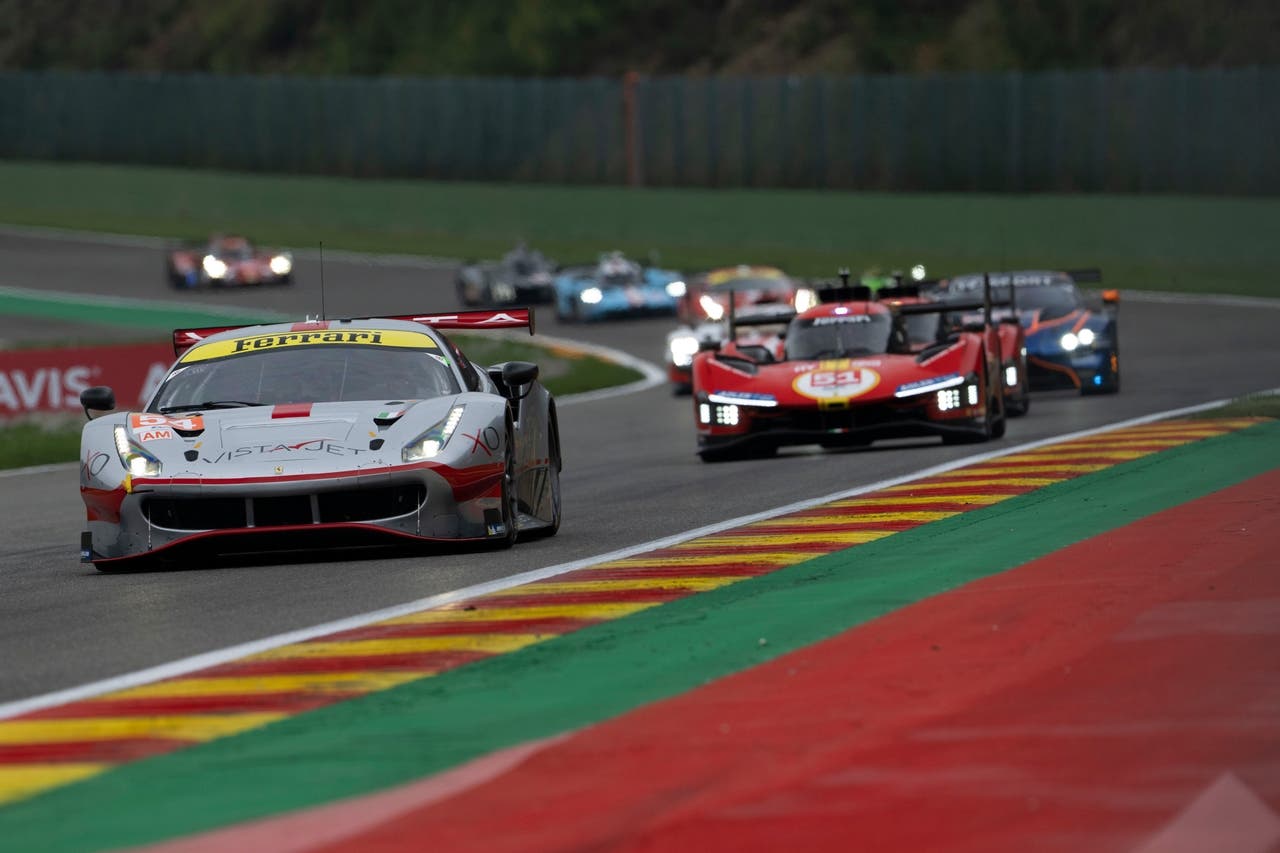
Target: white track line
205, 660
140, 241
64, 297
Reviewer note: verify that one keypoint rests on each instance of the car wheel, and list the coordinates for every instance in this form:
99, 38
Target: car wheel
553, 481
509, 495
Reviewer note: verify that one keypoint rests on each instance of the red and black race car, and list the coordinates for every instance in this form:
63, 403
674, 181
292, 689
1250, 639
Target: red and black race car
847, 374
227, 261
924, 329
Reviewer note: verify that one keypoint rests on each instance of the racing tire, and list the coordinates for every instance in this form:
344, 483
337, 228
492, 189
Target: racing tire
553, 474
509, 496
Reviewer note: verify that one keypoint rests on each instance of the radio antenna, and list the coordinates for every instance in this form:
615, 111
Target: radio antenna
322, 314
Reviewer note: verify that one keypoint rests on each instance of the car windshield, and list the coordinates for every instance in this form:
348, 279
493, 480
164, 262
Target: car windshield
232, 252
839, 336
310, 374
1051, 301
758, 289
922, 328
619, 279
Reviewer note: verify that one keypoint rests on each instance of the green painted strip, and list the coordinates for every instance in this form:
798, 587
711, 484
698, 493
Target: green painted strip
430, 725
138, 313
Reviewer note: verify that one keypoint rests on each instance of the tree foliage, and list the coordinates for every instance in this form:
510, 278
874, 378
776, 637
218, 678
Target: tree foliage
581, 37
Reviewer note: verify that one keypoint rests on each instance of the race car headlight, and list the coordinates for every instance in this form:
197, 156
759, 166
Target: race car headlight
281, 265
675, 289
213, 267
805, 299
948, 399
713, 309
726, 415
683, 348
1011, 376
928, 386
1086, 337
917, 272
430, 443
738, 398
591, 295
138, 462
1069, 342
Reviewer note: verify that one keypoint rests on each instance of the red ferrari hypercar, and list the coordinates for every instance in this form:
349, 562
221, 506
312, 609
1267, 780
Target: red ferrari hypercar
847, 373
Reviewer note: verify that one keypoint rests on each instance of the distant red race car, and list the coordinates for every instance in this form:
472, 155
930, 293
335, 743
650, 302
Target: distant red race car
848, 374
227, 261
757, 291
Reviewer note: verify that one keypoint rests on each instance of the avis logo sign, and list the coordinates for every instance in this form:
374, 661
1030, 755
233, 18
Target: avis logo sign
43, 388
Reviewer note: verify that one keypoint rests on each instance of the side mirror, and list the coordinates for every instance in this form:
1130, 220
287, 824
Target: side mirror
708, 345
975, 326
99, 398
1011, 320
1111, 297
519, 372
511, 375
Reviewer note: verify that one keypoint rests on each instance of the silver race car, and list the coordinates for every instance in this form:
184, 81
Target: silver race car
321, 434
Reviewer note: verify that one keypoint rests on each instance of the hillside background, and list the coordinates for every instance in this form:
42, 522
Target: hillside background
589, 37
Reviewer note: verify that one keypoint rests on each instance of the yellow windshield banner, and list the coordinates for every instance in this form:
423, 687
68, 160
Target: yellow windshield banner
321, 337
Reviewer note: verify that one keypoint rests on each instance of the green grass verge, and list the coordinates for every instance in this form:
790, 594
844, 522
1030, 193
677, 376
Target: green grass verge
1200, 244
38, 444
1250, 406
562, 371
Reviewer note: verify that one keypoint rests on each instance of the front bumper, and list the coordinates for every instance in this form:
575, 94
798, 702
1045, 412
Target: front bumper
857, 425
421, 502
1049, 370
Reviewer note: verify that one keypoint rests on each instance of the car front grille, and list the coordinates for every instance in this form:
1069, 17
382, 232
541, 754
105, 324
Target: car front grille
220, 513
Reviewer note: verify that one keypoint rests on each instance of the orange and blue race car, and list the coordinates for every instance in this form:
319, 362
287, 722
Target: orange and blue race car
1072, 341
846, 374
227, 261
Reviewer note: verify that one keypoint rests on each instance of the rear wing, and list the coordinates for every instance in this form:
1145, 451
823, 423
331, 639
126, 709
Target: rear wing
508, 318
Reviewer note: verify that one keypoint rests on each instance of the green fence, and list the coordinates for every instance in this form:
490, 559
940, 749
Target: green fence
1199, 131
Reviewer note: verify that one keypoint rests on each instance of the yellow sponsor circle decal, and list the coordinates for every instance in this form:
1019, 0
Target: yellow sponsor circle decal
321, 337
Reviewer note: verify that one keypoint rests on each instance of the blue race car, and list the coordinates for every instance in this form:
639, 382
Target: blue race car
1070, 343
616, 287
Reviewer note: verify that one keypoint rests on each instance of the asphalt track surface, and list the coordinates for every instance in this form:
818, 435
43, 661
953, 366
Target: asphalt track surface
630, 471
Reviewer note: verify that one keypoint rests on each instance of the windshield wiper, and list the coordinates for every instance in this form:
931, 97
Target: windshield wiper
207, 404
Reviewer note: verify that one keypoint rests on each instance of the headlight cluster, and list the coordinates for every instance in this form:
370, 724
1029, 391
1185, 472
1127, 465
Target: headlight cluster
683, 349
721, 414
213, 267
591, 296
949, 399
281, 265
675, 289
138, 462
1011, 376
430, 443
1072, 341
952, 398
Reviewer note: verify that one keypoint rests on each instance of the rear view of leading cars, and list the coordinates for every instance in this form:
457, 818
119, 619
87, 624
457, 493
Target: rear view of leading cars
847, 373
319, 434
